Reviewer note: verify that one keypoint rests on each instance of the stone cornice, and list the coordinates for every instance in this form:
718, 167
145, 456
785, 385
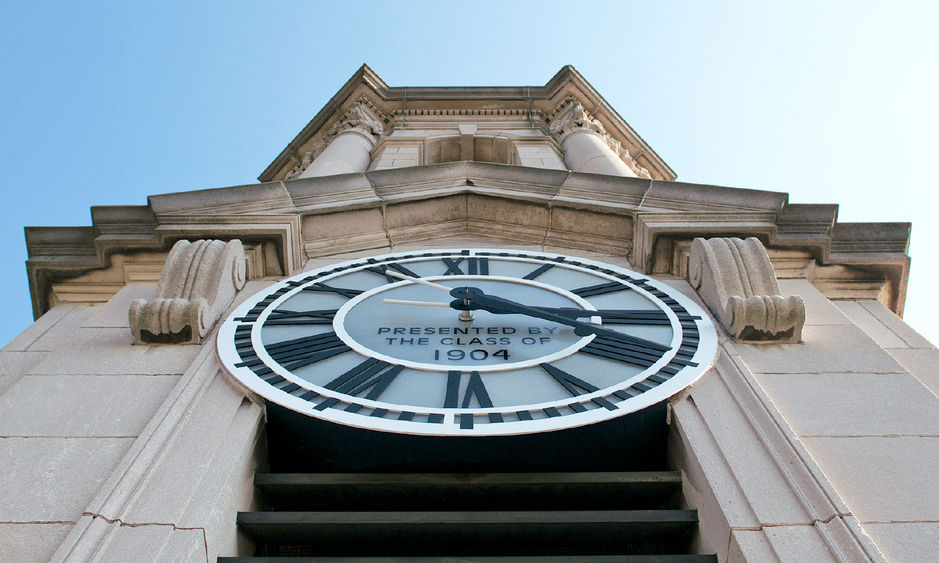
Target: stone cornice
532, 101
275, 213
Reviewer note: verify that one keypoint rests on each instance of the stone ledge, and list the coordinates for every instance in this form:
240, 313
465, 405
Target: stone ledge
273, 213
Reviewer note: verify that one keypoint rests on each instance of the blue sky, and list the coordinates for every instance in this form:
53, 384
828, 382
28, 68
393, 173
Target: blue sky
831, 102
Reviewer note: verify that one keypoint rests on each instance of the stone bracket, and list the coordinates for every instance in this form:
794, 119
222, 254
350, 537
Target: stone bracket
736, 280
198, 283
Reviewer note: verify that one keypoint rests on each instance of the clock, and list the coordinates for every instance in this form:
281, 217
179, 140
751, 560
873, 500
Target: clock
467, 342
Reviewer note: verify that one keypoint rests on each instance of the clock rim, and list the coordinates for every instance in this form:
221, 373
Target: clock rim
228, 357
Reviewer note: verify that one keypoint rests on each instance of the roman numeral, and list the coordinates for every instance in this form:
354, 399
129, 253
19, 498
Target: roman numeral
599, 289
299, 352
382, 270
474, 266
636, 351
474, 388
634, 317
286, 317
572, 384
540, 270
345, 292
371, 375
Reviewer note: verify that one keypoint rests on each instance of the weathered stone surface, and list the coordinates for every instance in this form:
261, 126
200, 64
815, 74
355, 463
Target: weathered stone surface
82, 405
853, 405
113, 314
423, 219
63, 474
825, 349
512, 212
541, 155
48, 330
603, 192
883, 478
795, 543
818, 309
906, 542
268, 197
199, 281
14, 364
343, 232
33, 542
322, 193
736, 280
398, 155
192, 468
111, 351
748, 545
871, 325
705, 197
199, 441
766, 497
912, 338
159, 541
923, 363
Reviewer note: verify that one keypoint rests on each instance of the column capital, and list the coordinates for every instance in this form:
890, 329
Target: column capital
570, 117
363, 119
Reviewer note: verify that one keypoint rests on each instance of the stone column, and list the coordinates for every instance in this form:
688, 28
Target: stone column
351, 141
587, 146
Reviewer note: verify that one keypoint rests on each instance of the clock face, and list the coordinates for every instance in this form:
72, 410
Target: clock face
473, 342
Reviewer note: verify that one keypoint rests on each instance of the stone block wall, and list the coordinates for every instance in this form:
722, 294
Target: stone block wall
76, 394
823, 450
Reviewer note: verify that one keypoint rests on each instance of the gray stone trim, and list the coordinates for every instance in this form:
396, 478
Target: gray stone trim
276, 214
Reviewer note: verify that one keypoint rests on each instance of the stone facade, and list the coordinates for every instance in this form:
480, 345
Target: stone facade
816, 450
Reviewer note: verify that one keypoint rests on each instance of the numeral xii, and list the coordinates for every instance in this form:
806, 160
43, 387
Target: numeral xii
475, 266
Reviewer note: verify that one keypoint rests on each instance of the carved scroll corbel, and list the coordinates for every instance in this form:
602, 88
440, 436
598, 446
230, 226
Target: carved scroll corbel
737, 282
198, 283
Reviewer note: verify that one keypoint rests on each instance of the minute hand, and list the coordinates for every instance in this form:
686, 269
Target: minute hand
472, 298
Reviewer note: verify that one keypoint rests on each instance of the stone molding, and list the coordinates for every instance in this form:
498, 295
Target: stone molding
736, 280
363, 118
570, 117
222, 428
467, 112
198, 283
869, 257
746, 472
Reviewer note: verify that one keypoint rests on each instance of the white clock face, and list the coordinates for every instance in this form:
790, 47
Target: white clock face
473, 342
